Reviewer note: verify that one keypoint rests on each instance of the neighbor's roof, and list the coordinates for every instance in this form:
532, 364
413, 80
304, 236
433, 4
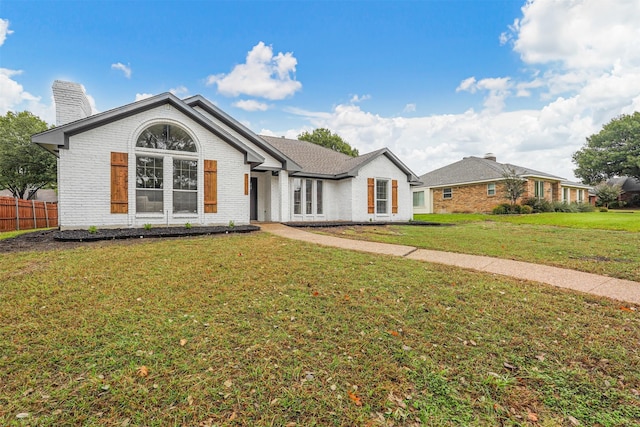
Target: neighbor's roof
318, 161
627, 183
477, 169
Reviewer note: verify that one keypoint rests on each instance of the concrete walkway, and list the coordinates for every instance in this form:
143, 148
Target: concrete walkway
622, 290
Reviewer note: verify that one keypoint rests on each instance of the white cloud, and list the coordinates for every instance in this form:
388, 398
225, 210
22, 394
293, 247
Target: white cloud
124, 68
13, 97
4, 30
357, 99
409, 108
251, 105
498, 90
141, 96
262, 75
180, 91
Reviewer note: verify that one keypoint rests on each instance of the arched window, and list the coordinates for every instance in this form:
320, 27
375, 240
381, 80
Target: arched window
166, 137
152, 189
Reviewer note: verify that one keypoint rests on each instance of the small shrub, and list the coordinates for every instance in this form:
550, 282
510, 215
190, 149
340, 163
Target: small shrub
499, 210
585, 207
565, 207
538, 205
188, 226
635, 200
147, 226
617, 204
232, 224
93, 229
603, 209
526, 209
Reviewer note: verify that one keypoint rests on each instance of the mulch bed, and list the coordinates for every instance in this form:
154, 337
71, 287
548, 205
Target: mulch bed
47, 240
54, 239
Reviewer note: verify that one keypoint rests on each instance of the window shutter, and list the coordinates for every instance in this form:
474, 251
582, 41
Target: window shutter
119, 183
210, 186
246, 184
394, 196
371, 188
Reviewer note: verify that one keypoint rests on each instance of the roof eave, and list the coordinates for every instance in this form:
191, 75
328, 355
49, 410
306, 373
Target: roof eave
59, 136
204, 103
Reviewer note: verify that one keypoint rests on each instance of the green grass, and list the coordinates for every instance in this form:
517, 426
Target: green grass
259, 330
10, 234
620, 220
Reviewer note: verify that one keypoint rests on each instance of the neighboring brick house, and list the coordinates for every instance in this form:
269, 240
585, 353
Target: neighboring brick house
630, 189
170, 161
476, 184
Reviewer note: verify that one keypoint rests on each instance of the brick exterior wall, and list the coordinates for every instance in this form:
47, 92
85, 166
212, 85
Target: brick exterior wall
474, 197
468, 198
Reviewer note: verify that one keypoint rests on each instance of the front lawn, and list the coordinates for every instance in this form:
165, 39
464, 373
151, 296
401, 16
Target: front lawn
573, 245
260, 330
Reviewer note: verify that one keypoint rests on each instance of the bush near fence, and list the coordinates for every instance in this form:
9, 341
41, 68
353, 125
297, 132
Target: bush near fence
19, 214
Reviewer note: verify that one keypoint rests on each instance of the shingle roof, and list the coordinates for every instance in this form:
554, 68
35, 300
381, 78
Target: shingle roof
476, 169
313, 158
627, 183
320, 161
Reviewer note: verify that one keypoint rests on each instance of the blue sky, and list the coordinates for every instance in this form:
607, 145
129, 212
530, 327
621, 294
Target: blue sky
434, 80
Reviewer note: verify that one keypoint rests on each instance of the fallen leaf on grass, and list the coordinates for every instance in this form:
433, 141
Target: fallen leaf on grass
623, 308
532, 416
228, 383
233, 416
394, 333
354, 398
183, 342
143, 371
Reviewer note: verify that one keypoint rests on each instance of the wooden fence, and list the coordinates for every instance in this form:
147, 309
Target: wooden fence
18, 214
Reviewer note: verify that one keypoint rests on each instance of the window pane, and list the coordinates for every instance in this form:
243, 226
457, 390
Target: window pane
185, 174
166, 137
185, 201
447, 193
149, 201
149, 172
418, 199
319, 197
308, 196
297, 196
491, 189
381, 196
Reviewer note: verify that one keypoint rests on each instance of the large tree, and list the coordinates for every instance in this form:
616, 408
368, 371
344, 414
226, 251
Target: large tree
614, 151
24, 167
324, 137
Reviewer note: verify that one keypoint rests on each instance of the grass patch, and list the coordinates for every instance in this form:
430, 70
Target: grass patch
10, 234
259, 330
620, 220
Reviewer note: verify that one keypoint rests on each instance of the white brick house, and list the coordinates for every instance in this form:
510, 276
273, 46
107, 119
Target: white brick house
167, 161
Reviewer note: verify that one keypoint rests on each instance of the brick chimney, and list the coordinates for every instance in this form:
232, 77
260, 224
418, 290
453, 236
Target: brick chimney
490, 156
71, 102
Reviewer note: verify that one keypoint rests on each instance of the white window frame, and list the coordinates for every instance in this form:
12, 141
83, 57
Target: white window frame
420, 196
306, 200
447, 193
167, 157
382, 183
491, 189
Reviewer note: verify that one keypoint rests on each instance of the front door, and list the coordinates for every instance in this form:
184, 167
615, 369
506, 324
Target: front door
253, 199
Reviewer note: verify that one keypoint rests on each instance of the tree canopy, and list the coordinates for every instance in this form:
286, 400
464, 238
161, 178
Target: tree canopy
614, 151
326, 138
24, 167
607, 193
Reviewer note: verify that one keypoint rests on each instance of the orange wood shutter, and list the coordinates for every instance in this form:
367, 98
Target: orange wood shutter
394, 196
119, 183
210, 186
371, 188
246, 184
